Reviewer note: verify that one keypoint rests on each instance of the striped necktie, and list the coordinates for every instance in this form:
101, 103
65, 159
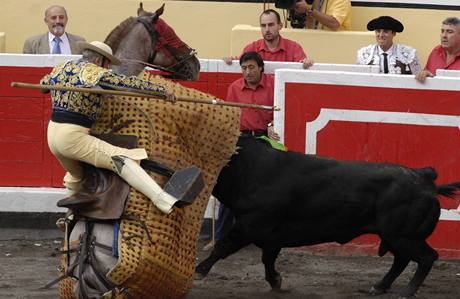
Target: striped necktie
56, 47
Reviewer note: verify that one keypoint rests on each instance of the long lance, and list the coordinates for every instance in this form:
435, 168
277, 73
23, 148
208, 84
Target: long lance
139, 93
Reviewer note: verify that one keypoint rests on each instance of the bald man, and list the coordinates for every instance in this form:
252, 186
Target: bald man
56, 40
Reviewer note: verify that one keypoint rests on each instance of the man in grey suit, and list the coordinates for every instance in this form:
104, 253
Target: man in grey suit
56, 40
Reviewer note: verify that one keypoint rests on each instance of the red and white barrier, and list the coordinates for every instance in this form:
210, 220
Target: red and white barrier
380, 118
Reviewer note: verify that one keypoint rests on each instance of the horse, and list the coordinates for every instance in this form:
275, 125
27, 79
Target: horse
116, 243
147, 40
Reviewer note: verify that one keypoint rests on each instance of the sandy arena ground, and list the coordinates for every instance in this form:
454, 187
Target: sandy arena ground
25, 266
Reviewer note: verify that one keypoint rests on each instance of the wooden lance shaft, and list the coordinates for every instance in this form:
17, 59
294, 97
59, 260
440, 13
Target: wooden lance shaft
140, 93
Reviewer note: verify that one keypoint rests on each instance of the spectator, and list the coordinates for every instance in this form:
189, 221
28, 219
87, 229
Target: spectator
273, 47
446, 55
392, 58
254, 87
56, 40
326, 14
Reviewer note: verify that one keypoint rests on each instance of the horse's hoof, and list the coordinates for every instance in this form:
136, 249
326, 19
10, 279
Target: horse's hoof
375, 291
198, 276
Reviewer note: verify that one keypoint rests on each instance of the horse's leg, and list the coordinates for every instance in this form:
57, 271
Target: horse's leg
269, 255
94, 261
230, 244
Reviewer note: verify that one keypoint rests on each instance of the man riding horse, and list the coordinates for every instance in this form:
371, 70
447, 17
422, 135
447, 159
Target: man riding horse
74, 113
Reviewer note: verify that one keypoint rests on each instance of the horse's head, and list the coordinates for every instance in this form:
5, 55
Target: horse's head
148, 40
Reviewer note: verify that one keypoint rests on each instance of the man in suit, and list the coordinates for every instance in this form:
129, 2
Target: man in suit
56, 40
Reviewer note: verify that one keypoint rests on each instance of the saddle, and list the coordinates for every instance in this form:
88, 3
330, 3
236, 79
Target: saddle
103, 193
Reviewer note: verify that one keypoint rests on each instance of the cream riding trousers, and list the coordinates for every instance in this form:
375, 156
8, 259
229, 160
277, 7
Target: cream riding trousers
72, 143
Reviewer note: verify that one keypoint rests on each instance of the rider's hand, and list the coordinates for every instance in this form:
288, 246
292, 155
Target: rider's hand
171, 96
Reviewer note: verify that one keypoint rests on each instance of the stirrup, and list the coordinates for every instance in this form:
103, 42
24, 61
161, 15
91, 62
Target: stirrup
185, 185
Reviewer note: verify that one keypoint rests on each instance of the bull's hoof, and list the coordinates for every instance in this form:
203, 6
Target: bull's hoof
276, 290
374, 291
280, 291
406, 293
275, 283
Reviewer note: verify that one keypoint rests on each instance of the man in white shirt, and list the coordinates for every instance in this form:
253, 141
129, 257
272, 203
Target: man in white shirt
392, 58
56, 40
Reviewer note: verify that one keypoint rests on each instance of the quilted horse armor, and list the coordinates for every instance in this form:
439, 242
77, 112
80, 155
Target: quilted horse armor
140, 252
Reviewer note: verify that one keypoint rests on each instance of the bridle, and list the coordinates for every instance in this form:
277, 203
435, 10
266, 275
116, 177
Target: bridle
180, 60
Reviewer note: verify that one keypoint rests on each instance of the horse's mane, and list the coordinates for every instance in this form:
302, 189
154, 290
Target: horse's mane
117, 34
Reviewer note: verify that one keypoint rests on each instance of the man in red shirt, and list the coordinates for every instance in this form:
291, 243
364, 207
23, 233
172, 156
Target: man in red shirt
254, 87
273, 47
446, 55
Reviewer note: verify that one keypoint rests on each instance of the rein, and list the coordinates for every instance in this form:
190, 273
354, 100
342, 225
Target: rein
161, 68
155, 37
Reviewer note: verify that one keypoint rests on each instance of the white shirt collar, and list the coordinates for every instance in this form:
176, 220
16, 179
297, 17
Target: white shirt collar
389, 51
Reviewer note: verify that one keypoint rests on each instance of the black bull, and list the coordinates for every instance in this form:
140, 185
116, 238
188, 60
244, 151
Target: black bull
287, 199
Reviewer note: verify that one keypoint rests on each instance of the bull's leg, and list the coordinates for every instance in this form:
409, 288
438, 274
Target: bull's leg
230, 244
399, 264
273, 277
425, 256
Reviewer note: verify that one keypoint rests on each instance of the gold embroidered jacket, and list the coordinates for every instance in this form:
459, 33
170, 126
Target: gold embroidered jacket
79, 73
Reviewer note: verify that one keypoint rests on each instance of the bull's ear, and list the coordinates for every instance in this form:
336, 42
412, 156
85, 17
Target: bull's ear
140, 10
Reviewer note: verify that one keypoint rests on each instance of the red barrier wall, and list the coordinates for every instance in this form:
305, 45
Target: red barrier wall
25, 158
378, 118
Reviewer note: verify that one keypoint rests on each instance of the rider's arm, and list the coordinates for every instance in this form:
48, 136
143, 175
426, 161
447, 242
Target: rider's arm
110, 80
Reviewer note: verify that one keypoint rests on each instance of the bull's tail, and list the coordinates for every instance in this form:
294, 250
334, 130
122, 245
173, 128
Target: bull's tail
448, 190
